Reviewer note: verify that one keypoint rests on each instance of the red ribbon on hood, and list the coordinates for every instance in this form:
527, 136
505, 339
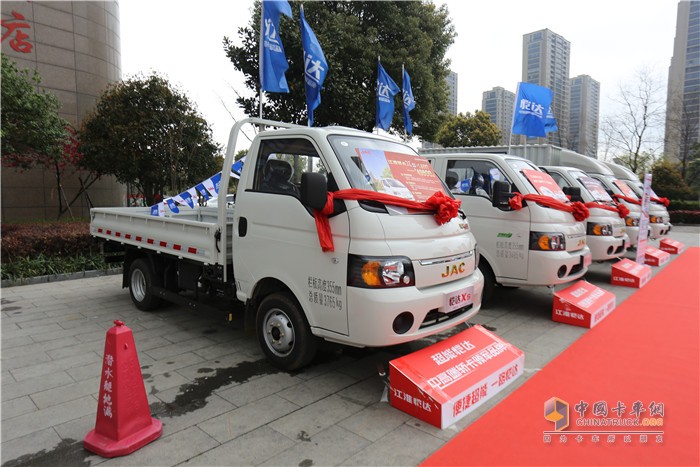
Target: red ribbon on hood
619, 208
577, 208
628, 199
444, 207
664, 201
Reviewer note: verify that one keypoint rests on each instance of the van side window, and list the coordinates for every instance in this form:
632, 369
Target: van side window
472, 177
559, 179
280, 165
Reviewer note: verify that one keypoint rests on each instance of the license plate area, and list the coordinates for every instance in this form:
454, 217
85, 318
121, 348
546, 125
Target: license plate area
587, 260
457, 299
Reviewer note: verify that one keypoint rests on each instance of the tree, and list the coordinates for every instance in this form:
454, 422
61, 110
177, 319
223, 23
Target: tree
352, 35
147, 133
668, 181
468, 130
633, 131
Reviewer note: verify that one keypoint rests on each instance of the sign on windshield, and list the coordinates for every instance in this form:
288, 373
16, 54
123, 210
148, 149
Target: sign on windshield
625, 189
595, 188
545, 184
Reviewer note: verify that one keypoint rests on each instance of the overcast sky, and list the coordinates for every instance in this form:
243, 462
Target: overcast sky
610, 41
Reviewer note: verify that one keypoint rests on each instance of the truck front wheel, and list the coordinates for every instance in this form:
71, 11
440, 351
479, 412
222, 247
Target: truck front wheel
283, 332
141, 282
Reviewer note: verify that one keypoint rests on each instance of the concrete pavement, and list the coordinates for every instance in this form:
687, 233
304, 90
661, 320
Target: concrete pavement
220, 402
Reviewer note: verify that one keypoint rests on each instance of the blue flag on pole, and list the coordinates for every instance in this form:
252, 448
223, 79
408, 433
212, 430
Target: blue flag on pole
386, 90
550, 123
273, 62
315, 67
409, 103
531, 107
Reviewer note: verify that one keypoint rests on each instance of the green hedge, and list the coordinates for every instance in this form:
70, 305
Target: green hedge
685, 217
683, 205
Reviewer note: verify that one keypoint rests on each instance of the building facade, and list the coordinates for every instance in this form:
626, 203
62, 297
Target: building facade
499, 103
683, 98
452, 80
546, 57
75, 48
584, 115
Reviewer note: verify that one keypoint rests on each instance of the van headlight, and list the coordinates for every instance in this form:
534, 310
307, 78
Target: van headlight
593, 228
631, 221
371, 272
656, 219
547, 241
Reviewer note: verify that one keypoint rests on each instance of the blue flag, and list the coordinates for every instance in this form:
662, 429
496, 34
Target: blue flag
315, 67
237, 167
550, 123
273, 62
409, 103
171, 204
386, 90
531, 107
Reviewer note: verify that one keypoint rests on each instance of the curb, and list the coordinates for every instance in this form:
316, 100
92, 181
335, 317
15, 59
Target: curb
60, 277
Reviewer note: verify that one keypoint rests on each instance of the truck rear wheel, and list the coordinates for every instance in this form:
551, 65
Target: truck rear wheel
283, 332
141, 282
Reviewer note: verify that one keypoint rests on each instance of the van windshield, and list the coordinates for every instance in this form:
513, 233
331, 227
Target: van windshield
386, 167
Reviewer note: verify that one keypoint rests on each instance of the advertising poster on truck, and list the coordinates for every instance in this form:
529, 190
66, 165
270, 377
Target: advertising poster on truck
596, 189
545, 184
625, 189
403, 175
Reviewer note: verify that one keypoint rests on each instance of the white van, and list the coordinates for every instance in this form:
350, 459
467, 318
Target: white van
659, 219
535, 245
605, 229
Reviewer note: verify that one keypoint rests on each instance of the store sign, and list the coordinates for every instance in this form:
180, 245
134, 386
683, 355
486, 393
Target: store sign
630, 274
14, 32
671, 246
582, 304
445, 382
655, 257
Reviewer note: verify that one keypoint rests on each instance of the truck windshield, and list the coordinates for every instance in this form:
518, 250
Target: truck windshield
386, 167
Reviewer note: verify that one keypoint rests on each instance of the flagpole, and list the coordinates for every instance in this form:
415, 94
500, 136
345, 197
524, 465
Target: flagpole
379, 60
515, 109
260, 54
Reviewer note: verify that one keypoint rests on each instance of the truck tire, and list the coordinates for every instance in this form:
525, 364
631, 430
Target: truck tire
141, 282
283, 332
489, 283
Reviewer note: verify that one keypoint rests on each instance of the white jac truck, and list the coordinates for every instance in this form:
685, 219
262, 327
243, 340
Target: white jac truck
391, 275
535, 245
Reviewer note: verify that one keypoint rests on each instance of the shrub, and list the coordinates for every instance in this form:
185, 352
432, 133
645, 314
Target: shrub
685, 217
57, 239
684, 205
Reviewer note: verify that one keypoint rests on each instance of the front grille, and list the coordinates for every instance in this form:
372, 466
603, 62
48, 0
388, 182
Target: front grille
434, 317
576, 269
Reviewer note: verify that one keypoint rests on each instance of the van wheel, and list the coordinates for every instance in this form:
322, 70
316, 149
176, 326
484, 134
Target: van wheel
283, 332
141, 282
489, 282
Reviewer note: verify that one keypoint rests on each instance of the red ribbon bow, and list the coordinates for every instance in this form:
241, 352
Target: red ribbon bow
628, 199
444, 207
664, 201
577, 208
619, 208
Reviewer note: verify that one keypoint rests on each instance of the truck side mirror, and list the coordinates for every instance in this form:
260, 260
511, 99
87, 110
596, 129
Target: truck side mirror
574, 192
314, 191
501, 194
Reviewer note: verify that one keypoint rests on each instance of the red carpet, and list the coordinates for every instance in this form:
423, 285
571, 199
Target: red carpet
646, 350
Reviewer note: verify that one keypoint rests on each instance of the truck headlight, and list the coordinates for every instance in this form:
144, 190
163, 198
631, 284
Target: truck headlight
547, 241
370, 272
593, 228
656, 219
631, 221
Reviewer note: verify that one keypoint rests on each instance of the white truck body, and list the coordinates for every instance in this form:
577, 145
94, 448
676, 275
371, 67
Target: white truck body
605, 230
659, 219
505, 236
394, 276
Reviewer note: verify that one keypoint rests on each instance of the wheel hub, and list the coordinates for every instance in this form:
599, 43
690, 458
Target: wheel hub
279, 332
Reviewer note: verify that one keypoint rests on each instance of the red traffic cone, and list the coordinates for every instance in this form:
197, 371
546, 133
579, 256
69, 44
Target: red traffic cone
124, 423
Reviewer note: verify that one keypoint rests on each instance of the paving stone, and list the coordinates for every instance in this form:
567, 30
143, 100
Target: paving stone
164, 381
253, 448
46, 336
17, 406
67, 393
33, 371
197, 370
35, 421
240, 421
12, 331
20, 318
172, 350
259, 388
214, 406
88, 371
375, 421
367, 392
77, 349
317, 388
168, 449
316, 417
34, 385
12, 342
27, 359
36, 347
13, 450
324, 448
6, 378
393, 449
78, 428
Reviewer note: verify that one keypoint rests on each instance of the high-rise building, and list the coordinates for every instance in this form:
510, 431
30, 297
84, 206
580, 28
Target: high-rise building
75, 48
546, 63
452, 81
584, 112
498, 103
683, 99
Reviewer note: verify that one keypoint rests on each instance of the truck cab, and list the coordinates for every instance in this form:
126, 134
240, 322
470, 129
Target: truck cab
659, 219
535, 245
605, 230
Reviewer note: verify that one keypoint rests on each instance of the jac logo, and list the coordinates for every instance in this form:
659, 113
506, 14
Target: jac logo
582, 242
454, 269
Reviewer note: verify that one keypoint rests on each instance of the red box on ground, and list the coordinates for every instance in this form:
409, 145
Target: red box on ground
582, 304
630, 274
671, 246
445, 382
655, 257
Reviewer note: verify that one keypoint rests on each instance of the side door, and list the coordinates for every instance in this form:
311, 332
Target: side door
275, 236
502, 235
